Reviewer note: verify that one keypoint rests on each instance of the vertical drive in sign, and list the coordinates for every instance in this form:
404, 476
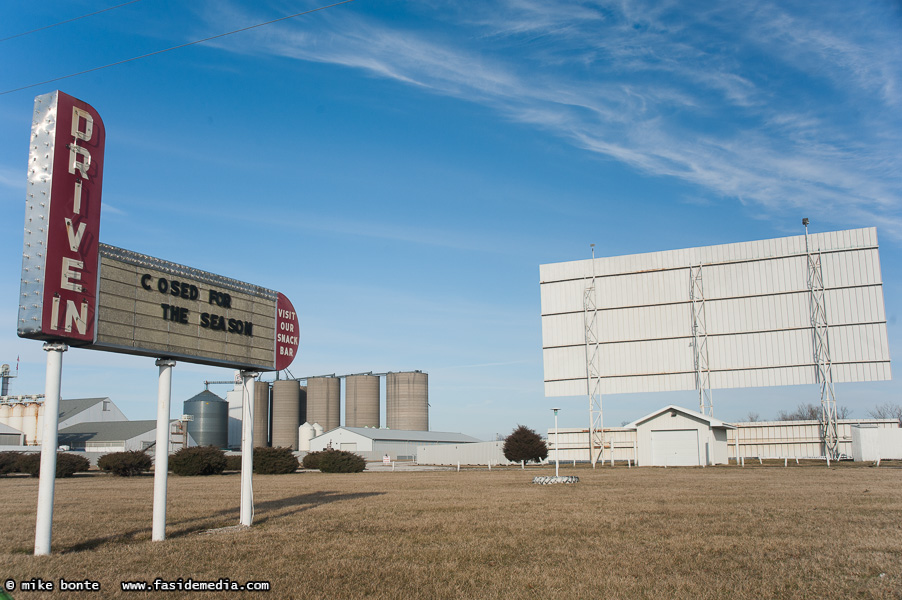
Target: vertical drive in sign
58, 294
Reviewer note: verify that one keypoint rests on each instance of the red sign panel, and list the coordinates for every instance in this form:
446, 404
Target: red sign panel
62, 221
288, 333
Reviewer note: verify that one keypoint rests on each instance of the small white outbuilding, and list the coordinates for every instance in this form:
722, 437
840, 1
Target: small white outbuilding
678, 437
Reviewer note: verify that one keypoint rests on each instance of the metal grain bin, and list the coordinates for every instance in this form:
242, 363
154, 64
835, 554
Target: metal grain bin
286, 413
210, 425
407, 401
261, 414
362, 401
323, 401
306, 432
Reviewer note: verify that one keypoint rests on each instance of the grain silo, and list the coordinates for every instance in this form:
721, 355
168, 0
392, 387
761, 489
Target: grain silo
261, 414
362, 401
323, 401
286, 413
303, 405
210, 423
407, 401
305, 434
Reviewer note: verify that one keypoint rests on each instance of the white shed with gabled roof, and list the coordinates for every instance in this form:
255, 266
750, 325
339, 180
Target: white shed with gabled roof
373, 443
676, 437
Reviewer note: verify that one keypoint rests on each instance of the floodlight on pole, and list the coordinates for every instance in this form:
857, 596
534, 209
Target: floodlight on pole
557, 445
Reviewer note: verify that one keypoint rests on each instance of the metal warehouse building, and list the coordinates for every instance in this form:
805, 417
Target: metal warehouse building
374, 444
675, 436
116, 436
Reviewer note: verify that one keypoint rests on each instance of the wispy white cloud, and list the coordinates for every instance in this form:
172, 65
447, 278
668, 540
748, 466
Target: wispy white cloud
707, 96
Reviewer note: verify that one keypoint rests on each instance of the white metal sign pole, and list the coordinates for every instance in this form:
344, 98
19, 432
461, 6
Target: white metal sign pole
247, 448
161, 449
44, 526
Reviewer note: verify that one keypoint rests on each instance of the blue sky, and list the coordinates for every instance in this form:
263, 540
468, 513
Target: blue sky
401, 169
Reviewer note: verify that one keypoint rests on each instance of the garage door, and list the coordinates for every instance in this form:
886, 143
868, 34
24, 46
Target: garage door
675, 448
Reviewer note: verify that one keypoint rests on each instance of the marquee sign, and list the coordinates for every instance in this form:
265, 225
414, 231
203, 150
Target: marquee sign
152, 307
58, 292
77, 290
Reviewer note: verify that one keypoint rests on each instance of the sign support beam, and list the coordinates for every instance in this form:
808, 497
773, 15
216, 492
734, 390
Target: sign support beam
161, 449
247, 448
43, 531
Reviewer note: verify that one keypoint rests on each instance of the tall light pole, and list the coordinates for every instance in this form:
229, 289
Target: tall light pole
557, 444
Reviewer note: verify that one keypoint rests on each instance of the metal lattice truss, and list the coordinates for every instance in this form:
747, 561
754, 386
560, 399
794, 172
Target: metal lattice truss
700, 341
593, 370
821, 340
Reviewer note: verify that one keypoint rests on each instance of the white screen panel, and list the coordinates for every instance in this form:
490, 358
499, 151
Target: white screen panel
757, 315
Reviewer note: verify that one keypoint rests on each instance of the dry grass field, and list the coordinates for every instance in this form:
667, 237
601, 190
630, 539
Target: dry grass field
726, 532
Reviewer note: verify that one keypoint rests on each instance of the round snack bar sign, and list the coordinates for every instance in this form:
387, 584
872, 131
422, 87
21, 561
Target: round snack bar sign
288, 332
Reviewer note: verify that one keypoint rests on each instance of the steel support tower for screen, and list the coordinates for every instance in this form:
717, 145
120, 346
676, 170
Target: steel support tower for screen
593, 370
700, 341
821, 341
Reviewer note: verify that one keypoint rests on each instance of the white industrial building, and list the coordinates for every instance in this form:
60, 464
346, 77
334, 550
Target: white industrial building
874, 443
374, 444
118, 436
676, 437
93, 425
25, 414
714, 442
669, 437
10, 436
475, 453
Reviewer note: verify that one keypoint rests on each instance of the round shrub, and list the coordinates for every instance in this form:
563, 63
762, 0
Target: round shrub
66, 464
311, 459
125, 464
233, 462
274, 461
9, 462
198, 460
341, 461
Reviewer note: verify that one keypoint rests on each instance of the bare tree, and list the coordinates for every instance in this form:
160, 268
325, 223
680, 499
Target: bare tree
752, 417
811, 412
888, 410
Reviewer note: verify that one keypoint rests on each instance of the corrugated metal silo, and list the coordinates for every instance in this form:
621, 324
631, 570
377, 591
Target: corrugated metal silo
210, 426
362, 401
286, 405
407, 401
261, 414
323, 401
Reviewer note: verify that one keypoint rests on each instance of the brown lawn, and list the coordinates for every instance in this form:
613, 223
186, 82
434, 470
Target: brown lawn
726, 532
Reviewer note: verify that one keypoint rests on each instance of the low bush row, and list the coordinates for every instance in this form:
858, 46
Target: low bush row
334, 461
207, 460
67, 464
197, 460
125, 464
